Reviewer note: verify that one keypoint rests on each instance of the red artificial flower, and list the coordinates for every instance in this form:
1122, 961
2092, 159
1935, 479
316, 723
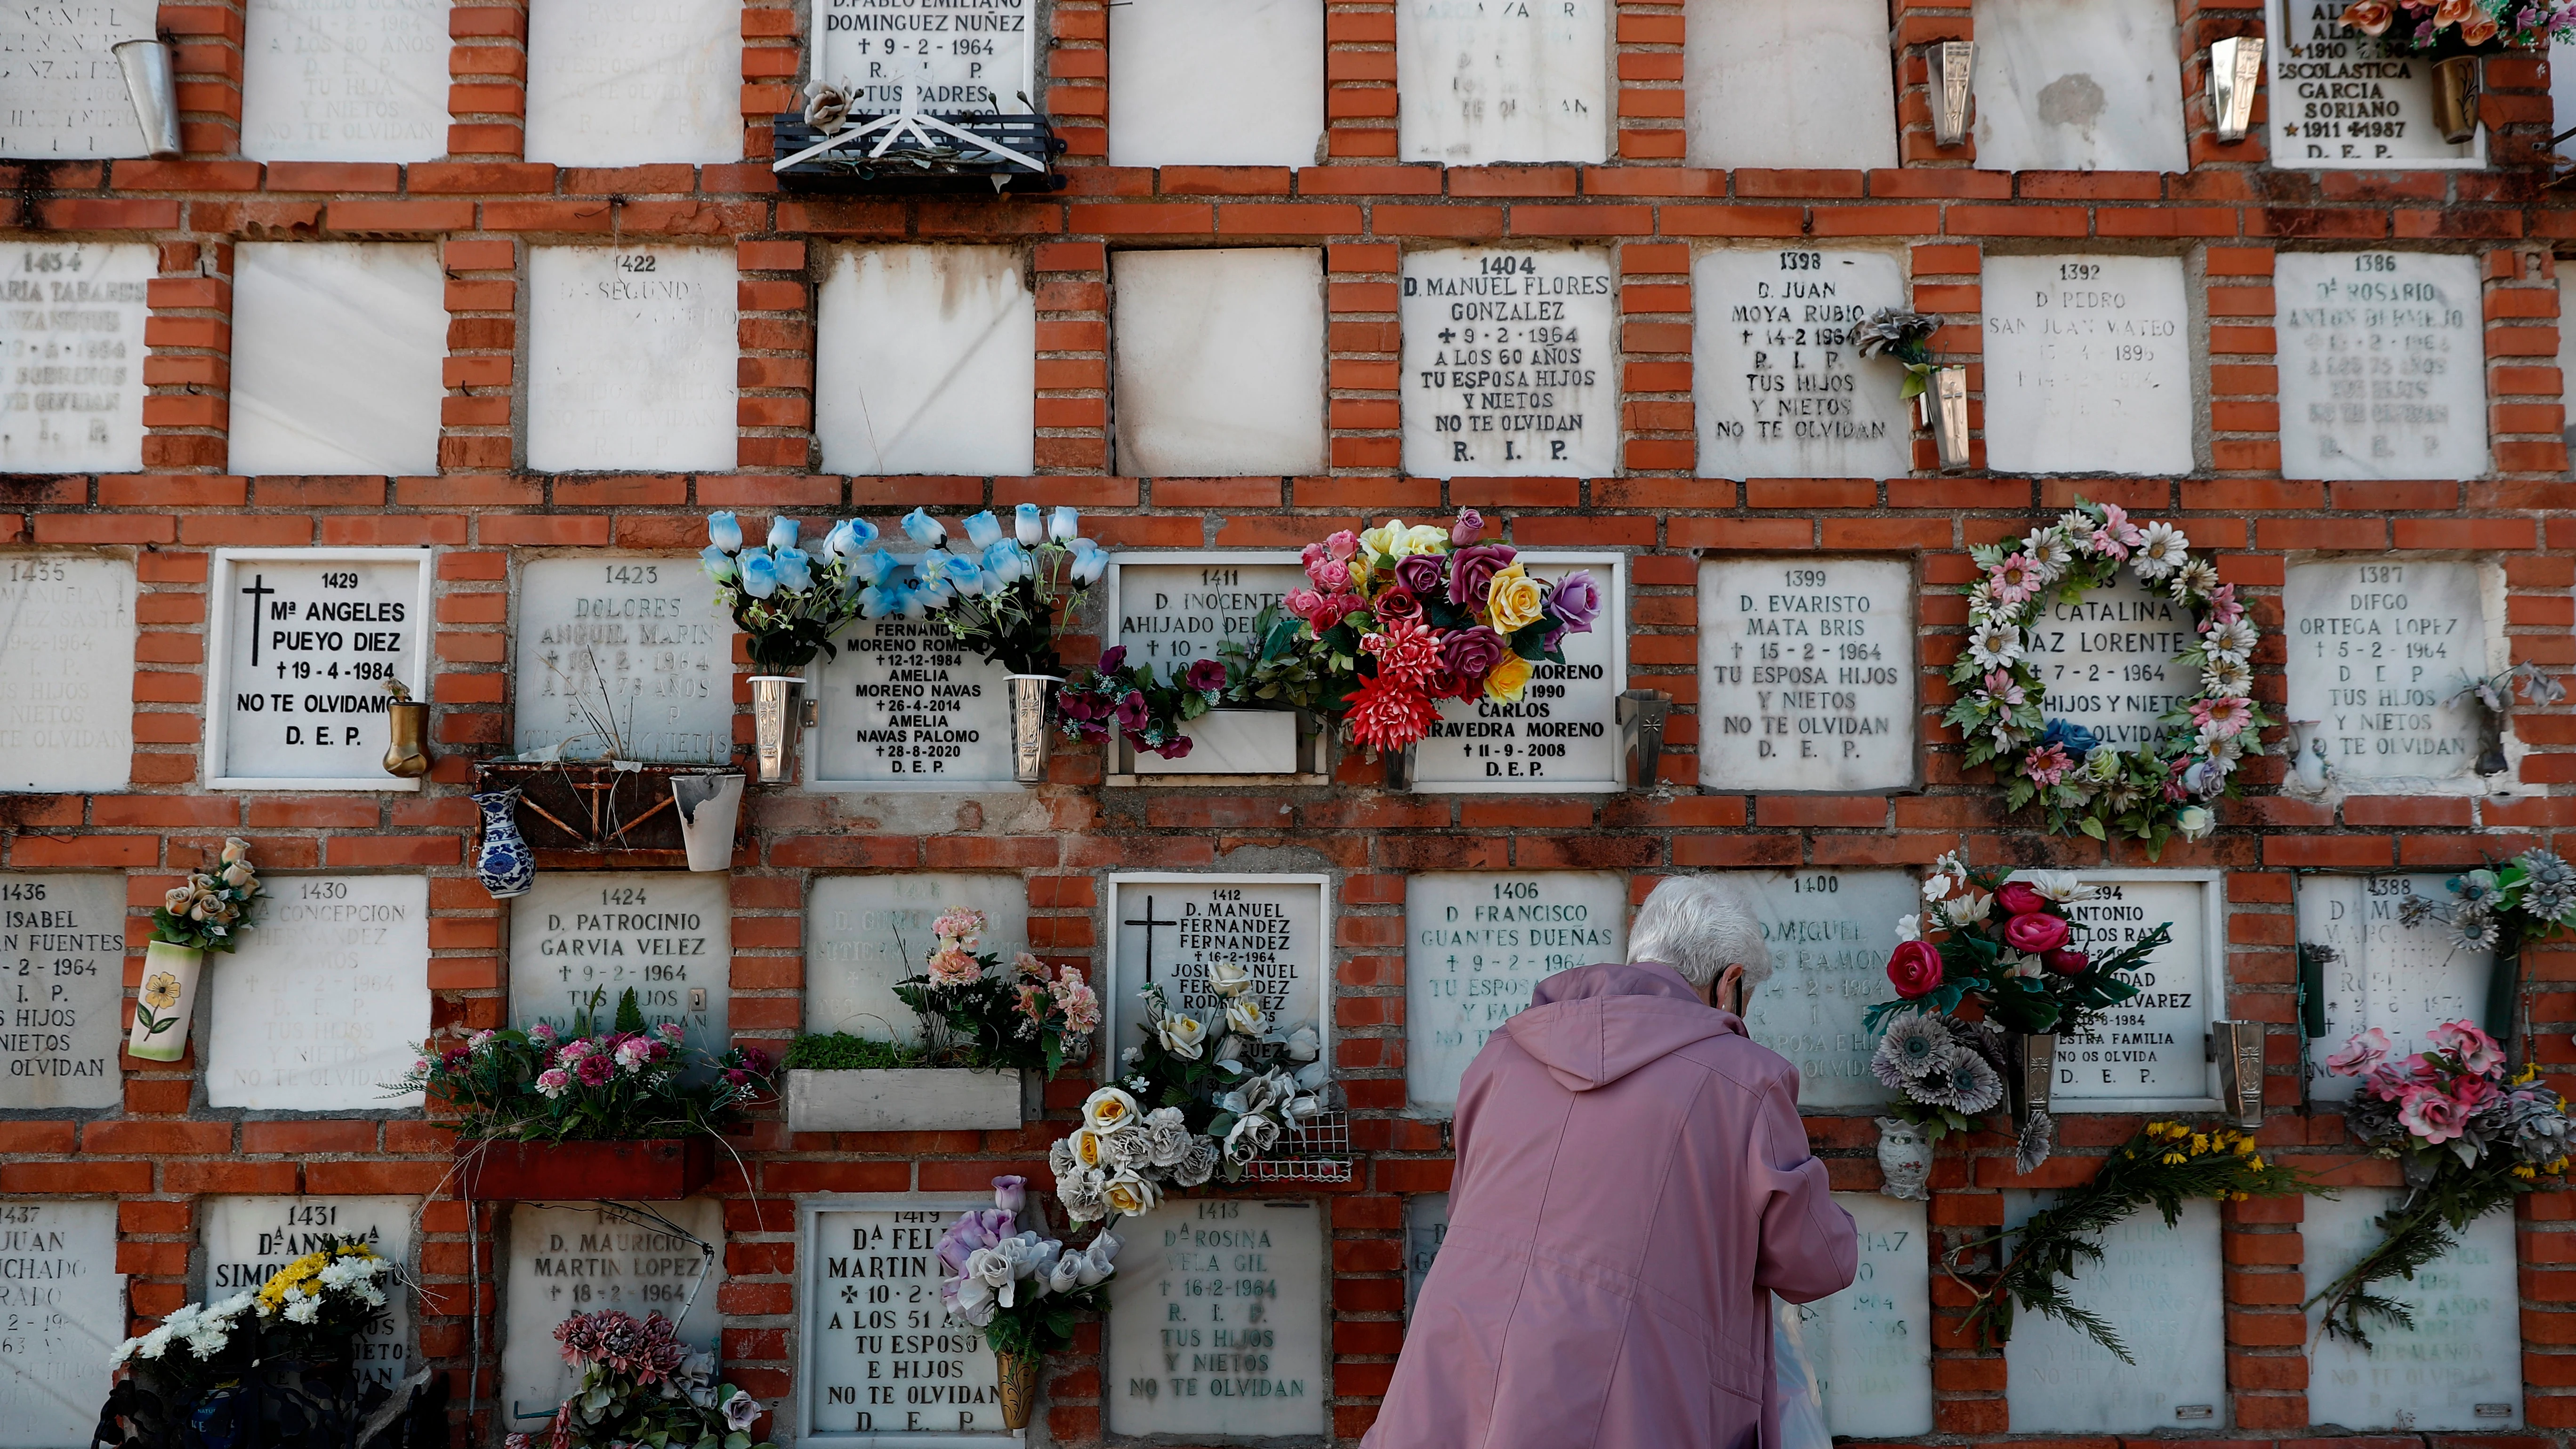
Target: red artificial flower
2066, 961
1915, 968
1388, 713
2020, 898
1406, 651
2037, 934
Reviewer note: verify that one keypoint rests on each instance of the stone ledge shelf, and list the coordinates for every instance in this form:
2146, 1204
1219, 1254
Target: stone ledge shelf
903, 1099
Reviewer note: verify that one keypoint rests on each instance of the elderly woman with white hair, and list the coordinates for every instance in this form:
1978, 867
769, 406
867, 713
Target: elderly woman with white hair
1632, 1187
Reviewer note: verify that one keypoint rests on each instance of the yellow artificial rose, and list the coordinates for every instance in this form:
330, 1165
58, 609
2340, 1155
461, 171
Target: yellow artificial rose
1515, 600
1380, 542
1422, 538
1508, 679
1359, 567
1086, 1147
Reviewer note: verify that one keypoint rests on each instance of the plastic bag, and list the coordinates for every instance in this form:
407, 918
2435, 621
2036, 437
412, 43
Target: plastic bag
1802, 1395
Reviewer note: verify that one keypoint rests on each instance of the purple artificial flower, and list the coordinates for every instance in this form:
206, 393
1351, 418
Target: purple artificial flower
1132, 712
1112, 657
1472, 653
1472, 570
1576, 603
1010, 1194
1420, 574
1207, 676
1467, 529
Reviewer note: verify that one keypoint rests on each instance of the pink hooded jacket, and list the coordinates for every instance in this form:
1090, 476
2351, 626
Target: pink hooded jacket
1633, 1184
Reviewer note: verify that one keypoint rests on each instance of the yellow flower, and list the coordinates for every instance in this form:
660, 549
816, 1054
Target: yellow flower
2524, 1172
1358, 564
2175, 1159
2245, 1145
1508, 679
1515, 600
2238, 1197
2199, 1144
1422, 538
2255, 1162
161, 992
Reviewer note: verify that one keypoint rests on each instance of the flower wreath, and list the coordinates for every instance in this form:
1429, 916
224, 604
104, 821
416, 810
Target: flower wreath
2150, 793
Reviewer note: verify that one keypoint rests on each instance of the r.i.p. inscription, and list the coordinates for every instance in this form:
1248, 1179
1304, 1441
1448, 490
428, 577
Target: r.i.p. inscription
1510, 363
1216, 1321
1780, 388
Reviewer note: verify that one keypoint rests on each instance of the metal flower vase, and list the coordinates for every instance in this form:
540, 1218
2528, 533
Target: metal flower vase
1953, 64
407, 756
710, 808
2033, 1059
1400, 766
1943, 407
504, 863
168, 998
2455, 98
1016, 1376
769, 700
154, 89
1029, 694
2235, 74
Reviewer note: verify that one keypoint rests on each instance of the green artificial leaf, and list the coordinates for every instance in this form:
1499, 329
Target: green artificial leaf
2093, 828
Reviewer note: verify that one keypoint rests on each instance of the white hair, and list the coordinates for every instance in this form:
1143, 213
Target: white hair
1699, 928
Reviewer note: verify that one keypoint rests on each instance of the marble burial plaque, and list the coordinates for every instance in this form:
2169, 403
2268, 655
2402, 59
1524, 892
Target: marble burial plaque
1217, 1321
1869, 1347
62, 975
1172, 612
864, 933
905, 706
1505, 82
1510, 362
1166, 930
2078, 85
323, 80
668, 936
1476, 944
71, 333
926, 357
2401, 979
62, 1312
1563, 732
1791, 87
1426, 1224
1807, 674
1779, 388
634, 82
2459, 1367
67, 631
338, 349
2088, 365
2383, 365
2161, 1290
2338, 103
249, 1240
62, 90
2106, 661
957, 57
1217, 83
648, 1258
2377, 653
1830, 932
630, 355
2152, 1049
304, 642
625, 650
1219, 367
327, 998
882, 1356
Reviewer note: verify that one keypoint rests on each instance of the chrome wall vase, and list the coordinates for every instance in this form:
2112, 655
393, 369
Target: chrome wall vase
1641, 717
1954, 62
1942, 406
771, 694
155, 89
1029, 694
2235, 74
2238, 1048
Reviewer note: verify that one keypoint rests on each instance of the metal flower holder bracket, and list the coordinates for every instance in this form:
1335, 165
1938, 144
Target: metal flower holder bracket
2237, 1048
908, 118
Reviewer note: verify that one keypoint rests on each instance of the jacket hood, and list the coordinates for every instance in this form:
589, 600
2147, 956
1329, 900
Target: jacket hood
1595, 1024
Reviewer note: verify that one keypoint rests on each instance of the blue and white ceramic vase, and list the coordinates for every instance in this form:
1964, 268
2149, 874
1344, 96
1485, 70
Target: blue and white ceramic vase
505, 864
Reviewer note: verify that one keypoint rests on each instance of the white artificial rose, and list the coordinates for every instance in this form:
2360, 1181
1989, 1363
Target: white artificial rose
1304, 1045
1972, 908
991, 1267
1182, 1036
1244, 1016
1909, 928
1066, 1275
1312, 1076
1229, 978
1250, 1137
1096, 1262
1109, 1111
1129, 1195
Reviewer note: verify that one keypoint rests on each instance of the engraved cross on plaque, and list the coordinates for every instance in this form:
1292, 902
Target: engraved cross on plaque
258, 590
1149, 923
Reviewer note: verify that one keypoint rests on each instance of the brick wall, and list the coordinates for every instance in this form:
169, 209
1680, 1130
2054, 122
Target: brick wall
485, 206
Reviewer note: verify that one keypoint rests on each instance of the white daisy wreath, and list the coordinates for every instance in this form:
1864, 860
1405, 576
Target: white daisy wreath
2159, 789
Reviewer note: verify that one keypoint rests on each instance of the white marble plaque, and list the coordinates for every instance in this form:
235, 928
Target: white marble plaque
325, 81
71, 332
1217, 1321
1564, 731
642, 1259
636, 645
2401, 979
1869, 1348
62, 90
2383, 365
2105, 661
2088, 365
1830, 932
1166, 930
956, 57
2150, 1053
1788, 86
338, 349
2078, 85
66, 672
667, 935
1217, 83
1426, 1225
61, 1314
905, 706
1173, 611
1780, 391
1476, 945
1504, 82
62, 974
1510, 362
1806, 674
882, 1356
1219, 354
926, 357
304, 643
2161, 1290
2459, 1367
2376, 653
864, 933
2338, 103
249, 1240
635, 82
327, 998
631, 356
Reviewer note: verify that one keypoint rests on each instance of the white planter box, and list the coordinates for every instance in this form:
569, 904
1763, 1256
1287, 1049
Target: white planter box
1231, 742
902, 1099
